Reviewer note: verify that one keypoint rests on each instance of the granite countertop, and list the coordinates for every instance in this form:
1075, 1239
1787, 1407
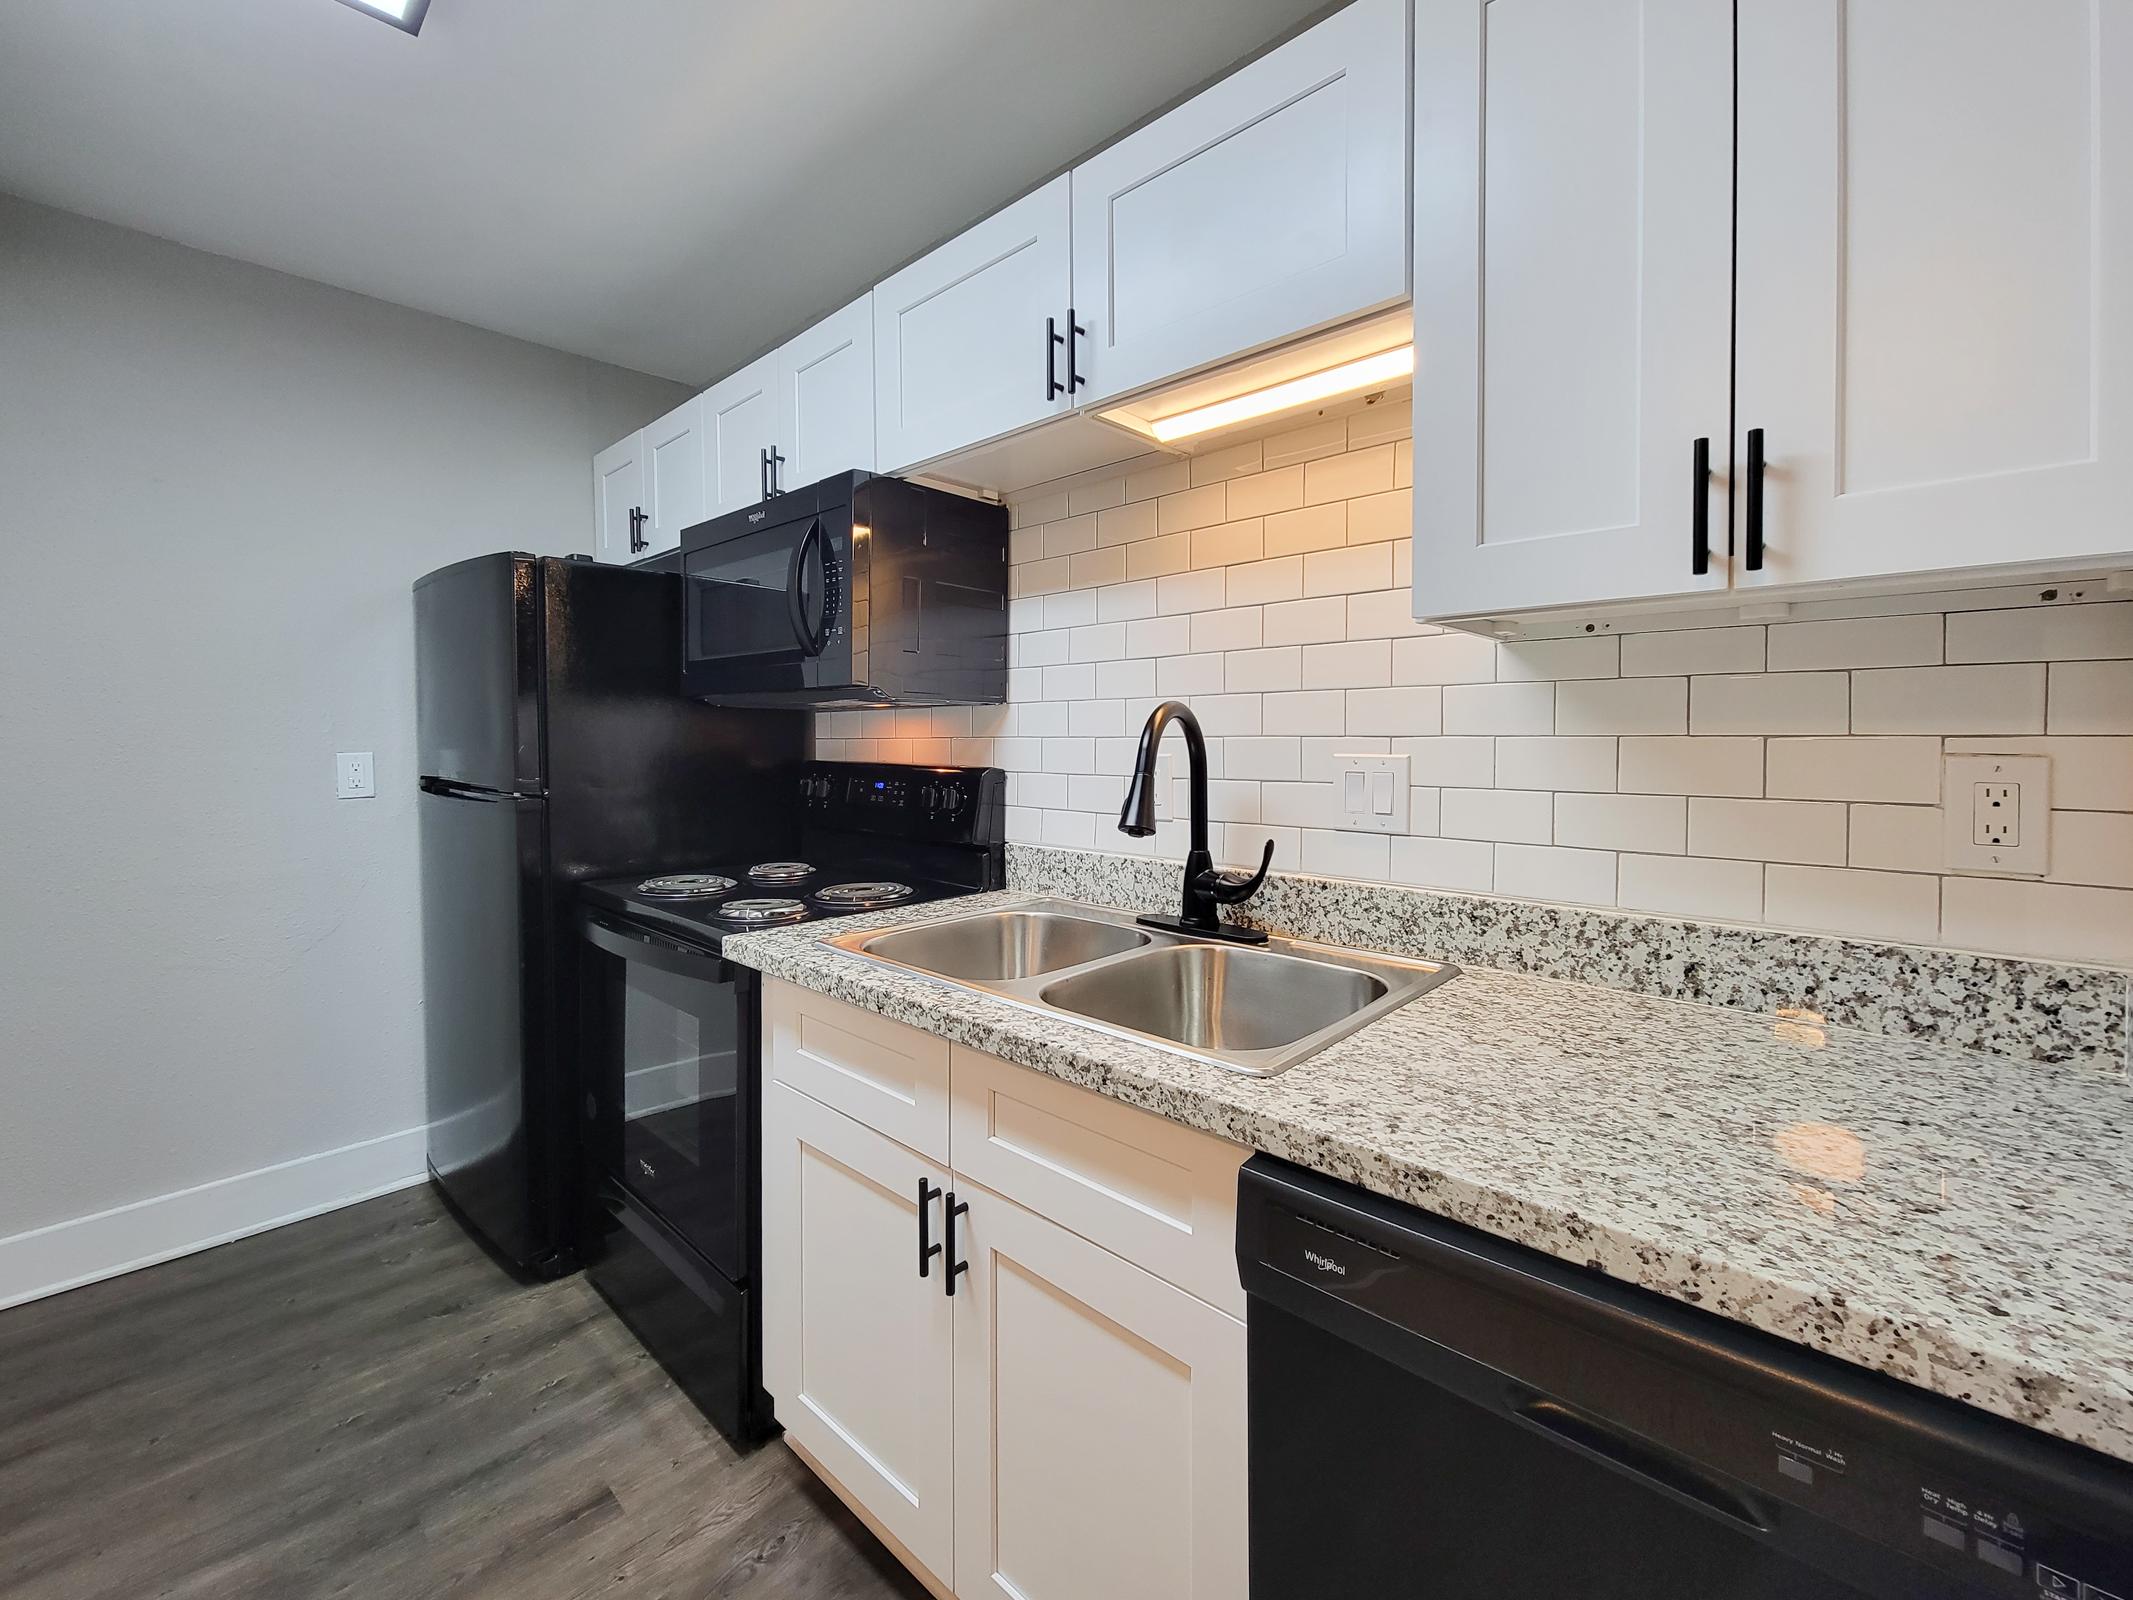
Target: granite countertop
1959, 1221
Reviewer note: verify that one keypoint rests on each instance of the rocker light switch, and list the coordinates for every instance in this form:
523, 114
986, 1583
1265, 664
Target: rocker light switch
1373, 793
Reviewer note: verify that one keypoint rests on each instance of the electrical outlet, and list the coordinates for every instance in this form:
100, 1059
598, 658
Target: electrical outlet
353, 776
1997, 814
1372, 793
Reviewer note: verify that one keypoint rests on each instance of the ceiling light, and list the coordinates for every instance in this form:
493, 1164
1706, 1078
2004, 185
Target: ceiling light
403, 14
1350, 377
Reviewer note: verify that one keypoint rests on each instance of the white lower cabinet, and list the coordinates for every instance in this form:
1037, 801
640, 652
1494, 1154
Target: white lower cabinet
1070, 1421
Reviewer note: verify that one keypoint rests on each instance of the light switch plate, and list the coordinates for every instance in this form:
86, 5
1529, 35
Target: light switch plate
1371, 793
353, 776
1996, 815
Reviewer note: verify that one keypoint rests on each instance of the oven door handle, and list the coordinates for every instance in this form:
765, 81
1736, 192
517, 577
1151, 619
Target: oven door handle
663, 955
812, 636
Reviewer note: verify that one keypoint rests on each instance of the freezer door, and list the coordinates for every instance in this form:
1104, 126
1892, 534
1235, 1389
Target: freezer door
487, 1024
478, 674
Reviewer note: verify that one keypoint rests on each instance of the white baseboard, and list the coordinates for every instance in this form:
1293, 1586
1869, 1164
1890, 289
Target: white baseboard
66, 1255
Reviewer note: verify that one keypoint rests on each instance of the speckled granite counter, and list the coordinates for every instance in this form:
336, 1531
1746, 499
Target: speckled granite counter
1959, 1221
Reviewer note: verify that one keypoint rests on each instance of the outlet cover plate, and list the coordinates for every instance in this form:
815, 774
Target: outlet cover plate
354, 778
1371, 793
1984, 797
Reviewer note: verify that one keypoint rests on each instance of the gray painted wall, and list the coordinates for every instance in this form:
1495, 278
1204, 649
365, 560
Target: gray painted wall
216, 485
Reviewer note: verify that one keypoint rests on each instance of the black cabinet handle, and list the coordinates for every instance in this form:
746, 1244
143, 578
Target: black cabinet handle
762, 474
637, 521
1700, 508
927, 1250
1754, 496
1076, 378
1053, 339
955, 1268
776, 461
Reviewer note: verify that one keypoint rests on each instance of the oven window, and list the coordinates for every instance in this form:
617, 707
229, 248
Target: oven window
671, 1058
738, 605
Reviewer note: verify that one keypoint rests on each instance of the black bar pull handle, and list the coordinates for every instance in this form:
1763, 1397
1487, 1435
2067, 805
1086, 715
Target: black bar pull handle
1700, 508
777, 460
1076, 378
762, 473
1754, 496
1639, 1456
1053, 339
927, 1249
956, 1269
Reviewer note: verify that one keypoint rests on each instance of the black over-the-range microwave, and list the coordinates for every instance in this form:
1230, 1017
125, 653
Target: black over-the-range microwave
858, 590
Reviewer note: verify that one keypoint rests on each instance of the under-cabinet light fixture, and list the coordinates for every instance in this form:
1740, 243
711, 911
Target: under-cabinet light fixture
1350, 377
405, 15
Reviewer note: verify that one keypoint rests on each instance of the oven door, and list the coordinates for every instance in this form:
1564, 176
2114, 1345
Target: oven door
766, 607
670, 1036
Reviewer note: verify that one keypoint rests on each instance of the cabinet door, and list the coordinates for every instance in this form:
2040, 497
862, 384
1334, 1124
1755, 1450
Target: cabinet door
858, 1349
1936, 282
740, 423
1270, 205
618, 492
1573, 182
826, 397
960, 352
1099, 1420
673, 476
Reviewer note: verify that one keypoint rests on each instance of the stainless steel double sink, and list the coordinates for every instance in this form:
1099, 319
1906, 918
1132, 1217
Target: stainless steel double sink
1253, 1009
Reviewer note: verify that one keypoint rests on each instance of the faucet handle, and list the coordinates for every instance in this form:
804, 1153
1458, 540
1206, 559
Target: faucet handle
1235, 887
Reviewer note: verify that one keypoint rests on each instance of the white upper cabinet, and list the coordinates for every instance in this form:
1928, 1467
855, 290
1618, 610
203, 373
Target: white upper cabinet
618, 501
1936, 283
826, 397
740, 428
1572, 289
961, 353
673, 477
1270, 205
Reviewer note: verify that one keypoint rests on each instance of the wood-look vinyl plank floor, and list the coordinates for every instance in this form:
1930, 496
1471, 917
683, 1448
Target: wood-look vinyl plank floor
365, 1405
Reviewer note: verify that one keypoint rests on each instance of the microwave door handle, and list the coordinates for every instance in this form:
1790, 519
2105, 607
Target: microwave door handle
812, 636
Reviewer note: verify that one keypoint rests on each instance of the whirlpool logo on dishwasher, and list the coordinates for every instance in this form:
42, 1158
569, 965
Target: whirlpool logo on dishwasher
1325, 1263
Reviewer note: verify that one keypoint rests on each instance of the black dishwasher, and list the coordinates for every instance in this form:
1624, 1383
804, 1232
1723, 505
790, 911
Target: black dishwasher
1438, 1413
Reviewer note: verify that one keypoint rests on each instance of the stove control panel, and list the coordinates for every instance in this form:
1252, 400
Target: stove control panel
948, 805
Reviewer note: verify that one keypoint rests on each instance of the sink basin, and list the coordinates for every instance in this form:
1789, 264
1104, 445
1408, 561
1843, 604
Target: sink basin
1219, 997
1256, 1009
1002, 946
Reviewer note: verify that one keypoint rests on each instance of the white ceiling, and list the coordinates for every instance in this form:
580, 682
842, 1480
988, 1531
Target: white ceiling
671, 185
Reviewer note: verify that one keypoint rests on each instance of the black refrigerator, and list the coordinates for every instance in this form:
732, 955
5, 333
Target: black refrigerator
554, 746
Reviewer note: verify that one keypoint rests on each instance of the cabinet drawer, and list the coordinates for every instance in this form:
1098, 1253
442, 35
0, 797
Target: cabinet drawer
1162, 1196
888, 1076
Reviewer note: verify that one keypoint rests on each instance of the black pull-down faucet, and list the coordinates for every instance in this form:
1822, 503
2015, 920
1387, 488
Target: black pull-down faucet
1205, 888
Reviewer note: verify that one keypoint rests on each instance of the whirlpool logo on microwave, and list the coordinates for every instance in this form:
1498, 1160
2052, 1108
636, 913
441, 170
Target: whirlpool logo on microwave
1325, 1263
756, 516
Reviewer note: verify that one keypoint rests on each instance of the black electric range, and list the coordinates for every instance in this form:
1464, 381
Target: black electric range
672, 1047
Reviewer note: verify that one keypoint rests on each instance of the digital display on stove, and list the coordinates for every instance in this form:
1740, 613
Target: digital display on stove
876, 792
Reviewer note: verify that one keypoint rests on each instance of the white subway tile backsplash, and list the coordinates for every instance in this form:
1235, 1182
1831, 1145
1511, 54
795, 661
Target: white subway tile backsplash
1899, 906
1550, 872
1656, 824
1498, 708
1464, 864
1897, 770
1516, 815
1317, 621
1691, 886
1807, 831
1363, 664
1543, 660
1689, 652
1556, 762
1855, 642
2043, 633
1715, 765
2000, 699
2091, 697
1798, 702
1267, 584
1896, 838
1623, 705
1445, 658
